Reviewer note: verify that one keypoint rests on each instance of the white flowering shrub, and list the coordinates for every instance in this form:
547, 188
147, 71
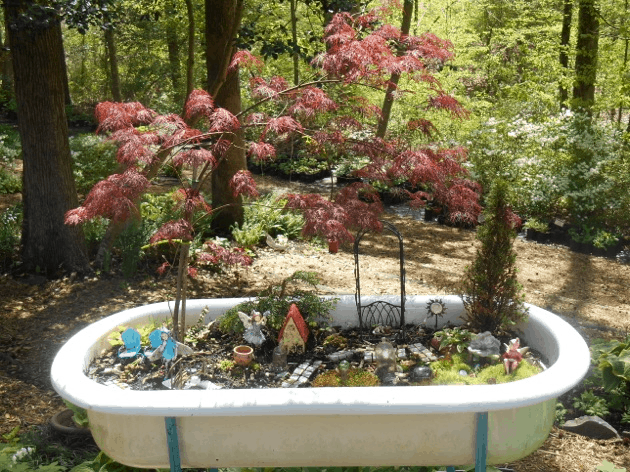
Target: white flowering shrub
563, 167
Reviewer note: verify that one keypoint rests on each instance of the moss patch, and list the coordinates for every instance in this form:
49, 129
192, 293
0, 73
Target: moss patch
356, 378
446, 372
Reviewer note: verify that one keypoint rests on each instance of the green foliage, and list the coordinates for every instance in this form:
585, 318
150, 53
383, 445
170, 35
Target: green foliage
591, 404
103, 463
10, 235
613, 360
79, 415
536, 225
606, 466
10, 149
144, 330
490, 291
457, 336
94, 159
226, 365
561, 413
130, 243
266, 216
277, 299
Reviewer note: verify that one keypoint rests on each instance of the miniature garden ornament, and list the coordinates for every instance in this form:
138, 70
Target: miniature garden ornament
485, 345
279, 360
385, 356
131, 344
513, 355
294, 332
253, 327
243, 355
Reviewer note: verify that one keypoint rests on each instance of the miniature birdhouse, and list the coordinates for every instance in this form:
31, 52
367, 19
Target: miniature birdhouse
294, 332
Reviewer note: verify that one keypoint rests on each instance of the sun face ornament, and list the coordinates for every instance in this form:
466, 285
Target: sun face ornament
437, 308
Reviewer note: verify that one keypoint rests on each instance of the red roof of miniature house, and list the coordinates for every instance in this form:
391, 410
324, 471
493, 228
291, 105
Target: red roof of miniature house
295, 315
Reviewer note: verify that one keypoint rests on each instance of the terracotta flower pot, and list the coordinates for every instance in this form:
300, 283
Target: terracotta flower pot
243, 355
333, 246
63, 423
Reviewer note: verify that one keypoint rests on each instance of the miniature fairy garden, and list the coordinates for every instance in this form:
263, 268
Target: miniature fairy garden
296, 346
285, 337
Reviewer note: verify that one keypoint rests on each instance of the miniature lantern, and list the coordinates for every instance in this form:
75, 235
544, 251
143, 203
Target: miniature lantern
385, 356
279, 360
294, 332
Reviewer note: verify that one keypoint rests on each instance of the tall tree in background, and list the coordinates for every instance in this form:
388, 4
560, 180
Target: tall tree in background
565, 37
392, 85
586, 53
173, 48
223, 18
190, 58
112, 62
48, 188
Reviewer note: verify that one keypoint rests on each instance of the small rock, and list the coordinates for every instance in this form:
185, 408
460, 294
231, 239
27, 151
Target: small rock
592, 427
421, 373
485, 345
463, 373
625, 434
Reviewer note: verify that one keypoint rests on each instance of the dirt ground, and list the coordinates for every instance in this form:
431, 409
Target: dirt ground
38, 316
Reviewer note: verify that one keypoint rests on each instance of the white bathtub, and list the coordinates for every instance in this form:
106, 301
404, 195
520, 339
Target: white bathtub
375, 426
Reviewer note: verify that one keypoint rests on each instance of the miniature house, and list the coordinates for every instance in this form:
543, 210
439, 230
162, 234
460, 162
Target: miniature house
294, 332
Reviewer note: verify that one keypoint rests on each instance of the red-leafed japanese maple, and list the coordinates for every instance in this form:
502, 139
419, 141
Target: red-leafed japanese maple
328, 116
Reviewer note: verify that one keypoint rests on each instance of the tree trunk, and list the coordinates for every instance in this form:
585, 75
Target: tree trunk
172, 44
296, 57
223, 18
231, 211
190, 62
222, 21
625, 66
48, 245
393, 81
112, 59
586, 54
565, 37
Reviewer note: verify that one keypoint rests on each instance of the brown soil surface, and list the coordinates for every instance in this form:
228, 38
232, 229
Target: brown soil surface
591, 293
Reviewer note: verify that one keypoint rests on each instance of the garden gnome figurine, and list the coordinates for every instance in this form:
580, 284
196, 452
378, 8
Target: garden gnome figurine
253, 327
512, 357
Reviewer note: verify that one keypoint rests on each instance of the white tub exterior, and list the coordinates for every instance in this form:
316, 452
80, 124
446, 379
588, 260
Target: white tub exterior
429, 425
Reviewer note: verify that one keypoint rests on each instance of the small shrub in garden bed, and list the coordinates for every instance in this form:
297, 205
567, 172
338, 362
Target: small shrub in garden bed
490, 290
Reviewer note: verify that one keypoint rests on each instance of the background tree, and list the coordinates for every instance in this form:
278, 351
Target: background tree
586, 54
48, 245
223, 19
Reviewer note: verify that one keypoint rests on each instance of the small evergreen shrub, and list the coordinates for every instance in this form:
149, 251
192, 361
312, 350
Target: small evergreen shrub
490, 290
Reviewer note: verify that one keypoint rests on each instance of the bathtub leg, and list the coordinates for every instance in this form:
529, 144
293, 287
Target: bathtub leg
172, 442
481, 452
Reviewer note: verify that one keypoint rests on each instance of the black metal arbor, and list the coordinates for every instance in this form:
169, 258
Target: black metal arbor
381, 312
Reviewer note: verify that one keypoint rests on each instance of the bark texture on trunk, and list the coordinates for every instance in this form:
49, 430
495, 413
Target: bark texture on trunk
586, 54
112, 60
190, 61
48, 245
565, 37
388, 102
222, 21
231, 211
